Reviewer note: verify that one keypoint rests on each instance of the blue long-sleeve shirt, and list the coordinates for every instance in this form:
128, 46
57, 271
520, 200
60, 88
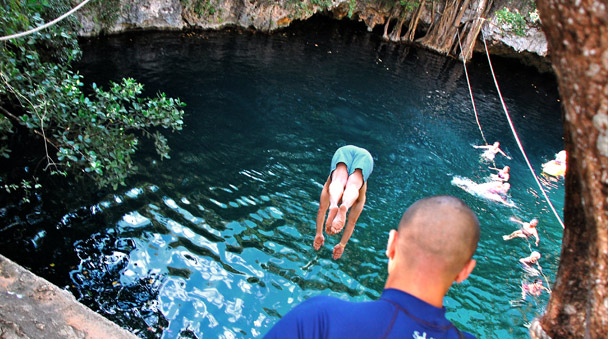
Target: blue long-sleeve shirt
395, 315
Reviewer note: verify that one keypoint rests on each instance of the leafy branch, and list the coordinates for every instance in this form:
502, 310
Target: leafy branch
93, 134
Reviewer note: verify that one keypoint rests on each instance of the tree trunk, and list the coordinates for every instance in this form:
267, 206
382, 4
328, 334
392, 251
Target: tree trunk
577, 33
442, 37
433, 14
434, 37
470, 36
411, 31
388, 22
396, 33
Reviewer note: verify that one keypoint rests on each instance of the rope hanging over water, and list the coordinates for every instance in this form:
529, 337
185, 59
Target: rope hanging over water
48, 24
504, 106
464, 64
540, 270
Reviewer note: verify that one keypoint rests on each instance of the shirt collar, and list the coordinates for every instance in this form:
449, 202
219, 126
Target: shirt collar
415, 306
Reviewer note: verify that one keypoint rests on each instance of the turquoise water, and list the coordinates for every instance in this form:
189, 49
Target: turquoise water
217, 241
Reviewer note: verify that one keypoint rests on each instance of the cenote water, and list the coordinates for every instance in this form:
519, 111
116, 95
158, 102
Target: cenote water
217, 241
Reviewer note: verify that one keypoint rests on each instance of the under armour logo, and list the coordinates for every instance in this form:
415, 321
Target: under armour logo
417, 335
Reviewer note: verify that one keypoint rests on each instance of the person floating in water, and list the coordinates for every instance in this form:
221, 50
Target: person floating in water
556, 167
534, 288
491, 150
345, 187
493, 190
528, 263
560, 158
495, 187
502, 175
528, 229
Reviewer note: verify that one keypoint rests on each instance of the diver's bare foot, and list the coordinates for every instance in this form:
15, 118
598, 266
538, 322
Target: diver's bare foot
333, 210
338, 223
319, 241
338, 250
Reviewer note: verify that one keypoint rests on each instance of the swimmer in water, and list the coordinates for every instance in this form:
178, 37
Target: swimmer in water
528, 229
491, 150
560, 158
493, 190
502, 175
528, 263
556, 167
534, 288
494, 187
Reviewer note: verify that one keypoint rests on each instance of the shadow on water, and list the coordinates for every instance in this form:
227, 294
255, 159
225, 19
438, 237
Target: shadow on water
217, 241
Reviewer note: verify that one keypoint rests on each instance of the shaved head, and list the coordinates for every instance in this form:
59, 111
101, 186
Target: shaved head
438, 234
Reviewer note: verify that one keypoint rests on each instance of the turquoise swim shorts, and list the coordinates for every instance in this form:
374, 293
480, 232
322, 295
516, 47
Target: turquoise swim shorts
353, 157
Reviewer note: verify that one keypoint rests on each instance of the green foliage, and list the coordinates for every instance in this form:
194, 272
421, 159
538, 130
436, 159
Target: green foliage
103, 12
6, 128
25, 188
409, 5
513, 19
352, 5
305, 8
202, 8
84, 134
321, 3
534, 16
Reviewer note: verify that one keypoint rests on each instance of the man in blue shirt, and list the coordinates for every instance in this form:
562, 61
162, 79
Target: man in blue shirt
432, 248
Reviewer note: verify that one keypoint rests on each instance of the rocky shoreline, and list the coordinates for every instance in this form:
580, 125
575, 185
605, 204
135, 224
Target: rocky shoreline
32, 307
530, 46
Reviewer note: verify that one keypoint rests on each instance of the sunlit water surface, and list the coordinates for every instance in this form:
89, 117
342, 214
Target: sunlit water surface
217, 241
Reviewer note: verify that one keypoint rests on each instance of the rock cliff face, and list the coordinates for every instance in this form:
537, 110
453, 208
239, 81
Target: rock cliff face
270, 15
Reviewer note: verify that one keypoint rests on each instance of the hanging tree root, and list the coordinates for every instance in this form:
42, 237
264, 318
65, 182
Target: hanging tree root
474, 29
411, 31
442, 37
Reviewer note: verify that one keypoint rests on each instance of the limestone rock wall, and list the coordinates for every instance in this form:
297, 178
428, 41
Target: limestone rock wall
534, 41
32, 307
270, 15
265, 15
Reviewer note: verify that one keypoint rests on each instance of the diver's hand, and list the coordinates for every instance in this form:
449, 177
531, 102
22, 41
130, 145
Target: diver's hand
319, 241
338, 250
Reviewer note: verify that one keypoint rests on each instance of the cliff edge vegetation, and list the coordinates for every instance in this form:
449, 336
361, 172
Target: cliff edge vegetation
45, 113
511, 27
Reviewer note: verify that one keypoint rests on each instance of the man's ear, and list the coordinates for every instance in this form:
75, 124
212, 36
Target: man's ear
391, 247
466, 270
